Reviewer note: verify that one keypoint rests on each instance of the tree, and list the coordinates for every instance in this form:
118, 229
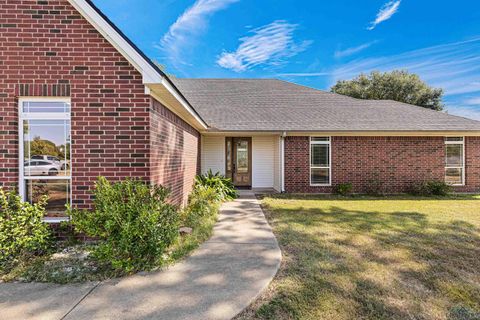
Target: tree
398, 85
39, 146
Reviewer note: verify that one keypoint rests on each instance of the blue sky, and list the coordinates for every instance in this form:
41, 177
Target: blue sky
313, 43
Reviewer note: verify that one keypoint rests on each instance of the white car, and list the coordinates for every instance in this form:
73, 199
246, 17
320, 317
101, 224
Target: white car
64, 165
41, 168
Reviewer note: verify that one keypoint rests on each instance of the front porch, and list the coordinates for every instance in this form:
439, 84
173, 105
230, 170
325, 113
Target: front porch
252, 161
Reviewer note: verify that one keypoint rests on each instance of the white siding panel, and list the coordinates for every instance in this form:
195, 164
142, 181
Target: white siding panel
263, 155
213, 154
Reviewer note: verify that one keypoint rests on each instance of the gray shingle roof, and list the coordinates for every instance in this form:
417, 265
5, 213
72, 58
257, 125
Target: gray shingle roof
275, 105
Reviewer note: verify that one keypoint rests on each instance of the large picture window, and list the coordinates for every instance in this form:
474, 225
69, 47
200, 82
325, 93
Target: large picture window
455, 160
45, 149
320, 168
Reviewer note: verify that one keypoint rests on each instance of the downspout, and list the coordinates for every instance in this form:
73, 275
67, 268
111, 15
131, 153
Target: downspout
282, 157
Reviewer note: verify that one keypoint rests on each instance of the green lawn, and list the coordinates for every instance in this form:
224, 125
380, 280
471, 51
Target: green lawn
374, 258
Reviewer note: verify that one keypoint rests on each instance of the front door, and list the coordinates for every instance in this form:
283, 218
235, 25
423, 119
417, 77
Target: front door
239, 161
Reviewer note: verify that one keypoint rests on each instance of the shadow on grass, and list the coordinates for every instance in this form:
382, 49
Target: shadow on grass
362, 197
345, 264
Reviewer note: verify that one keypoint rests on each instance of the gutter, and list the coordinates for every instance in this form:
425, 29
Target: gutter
282, 161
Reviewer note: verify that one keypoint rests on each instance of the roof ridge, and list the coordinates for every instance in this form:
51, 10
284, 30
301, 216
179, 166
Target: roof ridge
324, 91
279, 80
229, 79
380, 100
444, 112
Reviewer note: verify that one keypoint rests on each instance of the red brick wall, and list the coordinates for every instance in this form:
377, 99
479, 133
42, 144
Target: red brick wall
48, 49
472, 165
174, 152
394, 163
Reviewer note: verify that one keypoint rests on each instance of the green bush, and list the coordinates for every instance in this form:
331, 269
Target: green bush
203, 203
343, 189
201, 215
22, 231
223, 186
375, 188
134, 223
431, 188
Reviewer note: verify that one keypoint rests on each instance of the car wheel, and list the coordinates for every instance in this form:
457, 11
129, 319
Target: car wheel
52, 172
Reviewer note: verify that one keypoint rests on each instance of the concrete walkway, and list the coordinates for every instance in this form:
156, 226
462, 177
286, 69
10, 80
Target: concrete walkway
218, 281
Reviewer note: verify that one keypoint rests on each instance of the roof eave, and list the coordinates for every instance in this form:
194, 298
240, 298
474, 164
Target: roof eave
385, 133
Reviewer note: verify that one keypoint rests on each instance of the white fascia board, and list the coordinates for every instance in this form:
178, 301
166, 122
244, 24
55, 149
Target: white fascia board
150, 75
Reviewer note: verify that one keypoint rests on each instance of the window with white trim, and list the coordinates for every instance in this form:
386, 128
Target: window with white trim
455, 160
45, 149
320, 155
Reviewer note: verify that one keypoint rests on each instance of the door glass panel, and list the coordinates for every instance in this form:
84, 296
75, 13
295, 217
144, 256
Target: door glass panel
46, 147
229, 155
57, 191
242, 156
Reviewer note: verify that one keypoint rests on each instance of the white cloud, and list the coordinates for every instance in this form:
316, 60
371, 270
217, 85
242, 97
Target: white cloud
385, 13
268, 45
473, 101
467, 112
192, 23
350, 51
455, 67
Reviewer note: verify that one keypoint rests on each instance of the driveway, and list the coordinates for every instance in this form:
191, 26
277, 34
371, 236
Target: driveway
217, 281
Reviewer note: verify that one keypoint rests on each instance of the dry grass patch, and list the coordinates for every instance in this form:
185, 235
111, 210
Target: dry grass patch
374, 258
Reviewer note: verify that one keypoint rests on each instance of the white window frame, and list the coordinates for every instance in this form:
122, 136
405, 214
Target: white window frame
40, 116
329, 143
462, 142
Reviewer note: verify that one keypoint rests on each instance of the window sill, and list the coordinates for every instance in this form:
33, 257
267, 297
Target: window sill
52, 220
320, 185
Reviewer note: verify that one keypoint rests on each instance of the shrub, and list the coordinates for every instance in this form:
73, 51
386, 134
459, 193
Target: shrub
134, 223
22, 231
201, 215
223, 186
203, 203
431, 188
343, 189
375, 188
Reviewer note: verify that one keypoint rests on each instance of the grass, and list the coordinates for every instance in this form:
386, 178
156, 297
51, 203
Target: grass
62, 264
186, 244
394, 257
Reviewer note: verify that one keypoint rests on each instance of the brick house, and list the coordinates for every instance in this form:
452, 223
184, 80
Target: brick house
79, 100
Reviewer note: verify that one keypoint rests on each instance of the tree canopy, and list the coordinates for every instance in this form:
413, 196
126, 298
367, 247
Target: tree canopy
39, 146
398, 85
